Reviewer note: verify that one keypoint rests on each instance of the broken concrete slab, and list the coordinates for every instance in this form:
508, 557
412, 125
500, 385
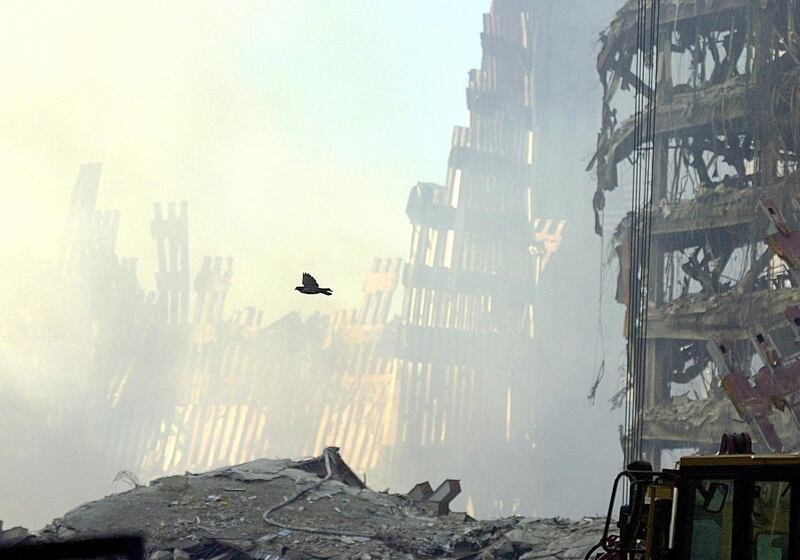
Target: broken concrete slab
436, 502
444, 494
339, 469
171, 483
12, 536
420, 492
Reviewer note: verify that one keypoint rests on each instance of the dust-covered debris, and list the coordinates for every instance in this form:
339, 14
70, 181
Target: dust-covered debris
435, 501
280, 509
12, 536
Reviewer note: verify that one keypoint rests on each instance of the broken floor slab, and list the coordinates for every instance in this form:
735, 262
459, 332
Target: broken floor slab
702, 317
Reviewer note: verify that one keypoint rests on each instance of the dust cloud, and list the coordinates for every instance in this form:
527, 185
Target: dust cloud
161, 340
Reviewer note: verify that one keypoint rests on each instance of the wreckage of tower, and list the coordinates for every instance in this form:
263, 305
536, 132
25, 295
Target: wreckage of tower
464, 376
724, 174
432, 376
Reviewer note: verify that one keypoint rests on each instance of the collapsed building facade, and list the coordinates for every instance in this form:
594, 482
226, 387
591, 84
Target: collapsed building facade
434, 381
170, 380
464, 365
725, 141
218, 371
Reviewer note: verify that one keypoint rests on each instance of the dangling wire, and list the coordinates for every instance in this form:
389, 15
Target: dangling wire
600, 341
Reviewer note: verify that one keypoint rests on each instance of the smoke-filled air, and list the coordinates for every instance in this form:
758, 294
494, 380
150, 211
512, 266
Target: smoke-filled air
415, 279
171, 171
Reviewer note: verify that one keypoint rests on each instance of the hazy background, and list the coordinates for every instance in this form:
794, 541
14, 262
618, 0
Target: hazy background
295, 130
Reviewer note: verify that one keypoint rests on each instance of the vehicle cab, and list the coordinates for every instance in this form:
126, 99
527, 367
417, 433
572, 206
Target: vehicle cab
739, 506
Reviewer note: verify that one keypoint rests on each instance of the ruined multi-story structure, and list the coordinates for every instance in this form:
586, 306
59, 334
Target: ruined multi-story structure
242, 389
464, 361
432, 377
725, 137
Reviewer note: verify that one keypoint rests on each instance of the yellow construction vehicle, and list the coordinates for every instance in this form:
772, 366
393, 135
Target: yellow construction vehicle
735, 505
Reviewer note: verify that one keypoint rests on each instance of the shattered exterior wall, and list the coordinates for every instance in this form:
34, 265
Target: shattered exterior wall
464, 377
170, 380
725, 137
435, 382
333, 372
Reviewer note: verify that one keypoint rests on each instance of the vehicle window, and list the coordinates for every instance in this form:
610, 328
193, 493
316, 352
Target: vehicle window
712, 520
770, 520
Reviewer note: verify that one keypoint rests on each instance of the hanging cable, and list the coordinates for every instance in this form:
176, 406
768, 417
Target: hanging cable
640, 225
634, 246
650, 171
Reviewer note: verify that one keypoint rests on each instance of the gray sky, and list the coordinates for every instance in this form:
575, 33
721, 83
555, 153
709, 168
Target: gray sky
294, 129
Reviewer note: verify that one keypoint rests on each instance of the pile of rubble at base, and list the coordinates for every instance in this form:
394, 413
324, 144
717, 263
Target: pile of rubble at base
314, 509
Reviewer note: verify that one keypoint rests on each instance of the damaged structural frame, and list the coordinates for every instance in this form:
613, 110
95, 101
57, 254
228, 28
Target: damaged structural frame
726, 140
433, 369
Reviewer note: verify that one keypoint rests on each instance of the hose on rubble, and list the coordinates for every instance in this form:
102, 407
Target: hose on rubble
266, 516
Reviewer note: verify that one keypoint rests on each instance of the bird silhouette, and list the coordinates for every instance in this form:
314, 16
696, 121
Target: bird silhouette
311, 287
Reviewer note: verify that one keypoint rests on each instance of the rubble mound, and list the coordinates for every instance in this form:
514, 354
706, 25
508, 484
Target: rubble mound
313, 509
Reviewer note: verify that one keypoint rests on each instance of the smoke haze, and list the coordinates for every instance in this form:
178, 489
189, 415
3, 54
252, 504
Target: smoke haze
294, 131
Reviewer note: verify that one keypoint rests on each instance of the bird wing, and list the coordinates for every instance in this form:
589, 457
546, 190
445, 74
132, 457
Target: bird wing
308, 281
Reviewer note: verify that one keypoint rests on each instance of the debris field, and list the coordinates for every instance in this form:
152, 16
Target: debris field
274, 509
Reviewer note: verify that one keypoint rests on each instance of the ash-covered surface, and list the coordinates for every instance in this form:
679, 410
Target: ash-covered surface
221, 515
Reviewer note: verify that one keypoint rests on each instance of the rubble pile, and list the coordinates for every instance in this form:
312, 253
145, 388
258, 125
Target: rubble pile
313, 509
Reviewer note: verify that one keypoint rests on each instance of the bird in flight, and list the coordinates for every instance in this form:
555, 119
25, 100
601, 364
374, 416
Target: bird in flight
311, 287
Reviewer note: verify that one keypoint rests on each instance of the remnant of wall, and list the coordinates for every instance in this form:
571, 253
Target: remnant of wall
437, 384
725, 136
464, 373
168, 381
